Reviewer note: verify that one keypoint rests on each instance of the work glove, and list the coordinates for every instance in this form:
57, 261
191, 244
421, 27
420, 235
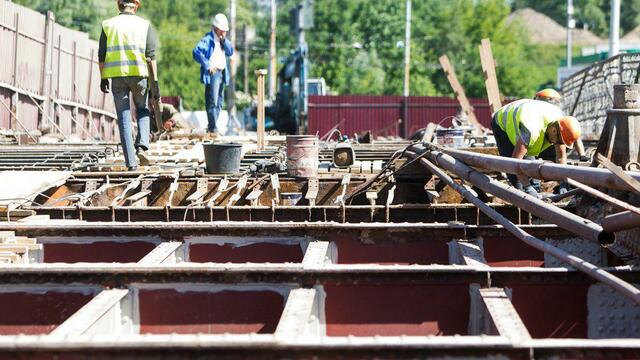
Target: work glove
530, 190
563, 188
105, 87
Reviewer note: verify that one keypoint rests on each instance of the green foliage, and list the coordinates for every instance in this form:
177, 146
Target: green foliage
358, 45
367, 75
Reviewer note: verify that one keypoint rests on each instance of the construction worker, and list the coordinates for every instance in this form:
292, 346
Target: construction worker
553, 97
211, 53
525, 128
126, 42
171, 120
549, 95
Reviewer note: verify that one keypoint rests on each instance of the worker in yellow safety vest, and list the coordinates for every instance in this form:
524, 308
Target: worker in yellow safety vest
126, 42
525, 128
553, 97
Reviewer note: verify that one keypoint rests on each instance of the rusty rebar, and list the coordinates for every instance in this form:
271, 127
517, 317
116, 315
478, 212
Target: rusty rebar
582, 227
626, 289
540, 169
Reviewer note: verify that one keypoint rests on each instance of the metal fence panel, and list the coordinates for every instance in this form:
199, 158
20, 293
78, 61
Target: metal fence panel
588, 94
42, 60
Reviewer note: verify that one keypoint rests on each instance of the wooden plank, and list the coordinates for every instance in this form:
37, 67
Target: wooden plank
261, 111
458, 90
617, 171
491, 79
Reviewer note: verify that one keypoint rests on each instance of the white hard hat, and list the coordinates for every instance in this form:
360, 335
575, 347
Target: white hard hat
220, 21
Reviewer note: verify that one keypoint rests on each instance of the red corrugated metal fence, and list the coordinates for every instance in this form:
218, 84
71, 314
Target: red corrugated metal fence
381, 114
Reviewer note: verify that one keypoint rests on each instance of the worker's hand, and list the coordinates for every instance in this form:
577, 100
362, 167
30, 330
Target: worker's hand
530, 190
168, 125
212, 70
105, 87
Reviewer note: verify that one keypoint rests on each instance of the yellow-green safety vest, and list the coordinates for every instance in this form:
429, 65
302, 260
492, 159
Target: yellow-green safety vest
126, 46
535, 116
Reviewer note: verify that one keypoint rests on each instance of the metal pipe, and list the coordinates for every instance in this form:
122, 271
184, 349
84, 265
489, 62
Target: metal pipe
566, 220
606, 197
571, 23
621, 221
540, 169
614, 29
626, 289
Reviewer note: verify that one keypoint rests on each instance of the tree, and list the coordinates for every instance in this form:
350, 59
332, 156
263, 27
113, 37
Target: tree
367, 75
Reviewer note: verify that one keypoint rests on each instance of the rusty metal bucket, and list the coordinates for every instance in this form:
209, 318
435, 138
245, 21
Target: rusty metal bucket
302, 156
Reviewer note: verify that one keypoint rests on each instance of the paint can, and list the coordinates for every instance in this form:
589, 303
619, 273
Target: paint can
222, 158
453, 138
302, 156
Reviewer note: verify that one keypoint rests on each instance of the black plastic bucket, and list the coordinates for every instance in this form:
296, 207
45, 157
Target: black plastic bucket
222, 158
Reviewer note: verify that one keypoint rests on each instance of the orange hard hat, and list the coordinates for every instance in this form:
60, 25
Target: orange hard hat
548, 94
569, 129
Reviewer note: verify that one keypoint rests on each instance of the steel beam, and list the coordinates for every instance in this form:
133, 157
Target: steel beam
501, 316
124, 274
230, 346
103, 315
303, 315
165, 253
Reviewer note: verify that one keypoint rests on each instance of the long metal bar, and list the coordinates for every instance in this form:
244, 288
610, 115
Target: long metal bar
599, 194
576, 224
626, 289
253, 346
121, 275
621, 221
543, 170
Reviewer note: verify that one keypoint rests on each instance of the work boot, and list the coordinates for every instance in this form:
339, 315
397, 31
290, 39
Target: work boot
143, 157
132, 168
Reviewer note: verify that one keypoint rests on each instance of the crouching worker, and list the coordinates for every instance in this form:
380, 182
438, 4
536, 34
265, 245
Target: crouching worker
171, 120
525, 128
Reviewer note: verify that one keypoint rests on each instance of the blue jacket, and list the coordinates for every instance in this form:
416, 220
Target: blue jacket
202, 53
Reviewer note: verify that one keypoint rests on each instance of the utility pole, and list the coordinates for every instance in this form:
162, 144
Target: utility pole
407, 49
231, 94
407, 71
245, 61
272, 51
571, 24
614, 31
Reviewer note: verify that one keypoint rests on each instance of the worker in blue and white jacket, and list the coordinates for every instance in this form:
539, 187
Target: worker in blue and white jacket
211, 53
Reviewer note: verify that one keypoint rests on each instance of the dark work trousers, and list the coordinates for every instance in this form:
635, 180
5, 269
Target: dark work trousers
505, 149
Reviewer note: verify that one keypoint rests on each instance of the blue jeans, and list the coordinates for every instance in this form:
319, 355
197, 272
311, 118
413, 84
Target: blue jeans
124, 89
214, 98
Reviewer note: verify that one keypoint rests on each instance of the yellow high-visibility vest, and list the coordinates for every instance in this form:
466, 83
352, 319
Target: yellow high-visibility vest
535, 116
126, 46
